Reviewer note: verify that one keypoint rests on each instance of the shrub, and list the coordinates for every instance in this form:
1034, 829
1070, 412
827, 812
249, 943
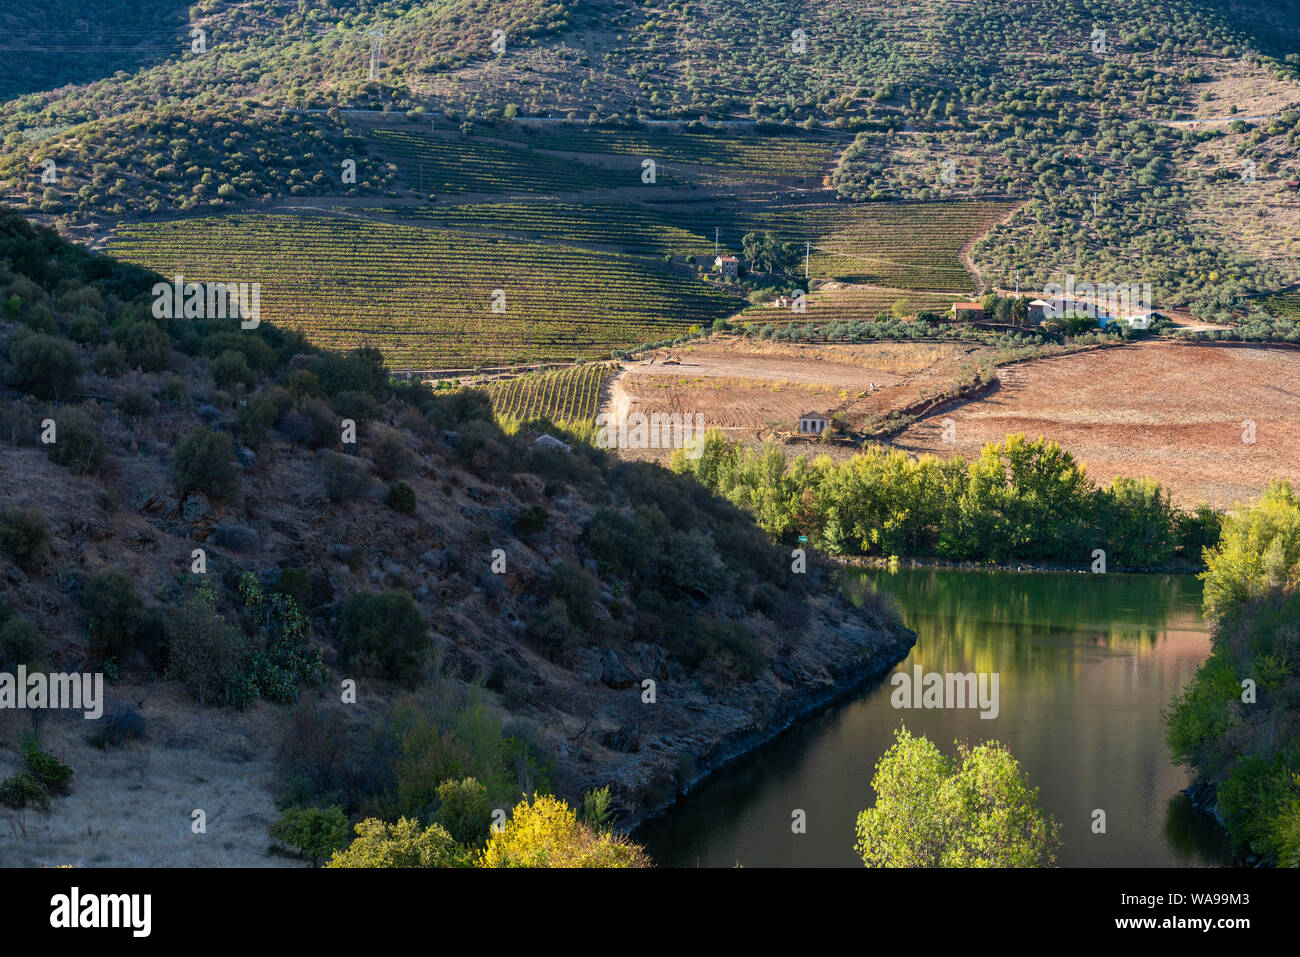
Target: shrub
577, 588
403, 844
316, 832
546, 833
43, 365
116, 727
345, 477
464, 810
25, 537
77, 444
203, 653
261, 412
357, 406
549, 626
231, 369
136, 402
401, 498
303, 384
312, 423
85, 329
110, 360
383, 635
115, 615
148, 348
47, 769
392, 458
596, 810
531, 520
21, 642
296, 583
23, 790
767, 598
205, 462
361, 370
313, 751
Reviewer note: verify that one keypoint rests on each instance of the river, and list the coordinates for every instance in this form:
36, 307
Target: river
1086, 665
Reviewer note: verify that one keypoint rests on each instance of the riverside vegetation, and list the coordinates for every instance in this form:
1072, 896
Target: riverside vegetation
1237, 725
1021, 500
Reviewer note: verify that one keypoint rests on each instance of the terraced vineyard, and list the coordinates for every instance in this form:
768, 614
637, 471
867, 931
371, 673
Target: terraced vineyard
566, 396
745, 155
425, 297
901, 246
636, 230
459, 164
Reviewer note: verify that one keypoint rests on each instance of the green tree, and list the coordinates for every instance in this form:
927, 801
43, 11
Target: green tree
383, 635
316, 832
979, 811
1258, 550
404, 844
464, 810
205, 462
43, 365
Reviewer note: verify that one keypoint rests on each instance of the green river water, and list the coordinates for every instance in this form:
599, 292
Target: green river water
1086, 665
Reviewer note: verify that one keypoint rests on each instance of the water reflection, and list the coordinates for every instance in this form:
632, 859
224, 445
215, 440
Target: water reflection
1086, 665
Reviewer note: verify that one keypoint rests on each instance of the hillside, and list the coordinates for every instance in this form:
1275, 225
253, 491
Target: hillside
920, 152
498, 601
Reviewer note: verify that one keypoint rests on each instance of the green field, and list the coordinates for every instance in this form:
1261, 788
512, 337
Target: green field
425, 296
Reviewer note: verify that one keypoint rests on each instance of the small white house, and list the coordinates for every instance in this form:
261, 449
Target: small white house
728, 265
813, 423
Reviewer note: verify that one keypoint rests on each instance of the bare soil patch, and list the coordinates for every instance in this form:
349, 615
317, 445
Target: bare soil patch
1173, 412
755, 390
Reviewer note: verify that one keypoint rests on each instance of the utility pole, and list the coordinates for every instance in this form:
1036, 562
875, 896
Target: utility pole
716, 231
1017, 285
807, 258
376, 48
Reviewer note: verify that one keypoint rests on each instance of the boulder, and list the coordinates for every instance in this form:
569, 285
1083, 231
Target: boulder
587, 665
551, 442
624, 740
614, 673
195, 507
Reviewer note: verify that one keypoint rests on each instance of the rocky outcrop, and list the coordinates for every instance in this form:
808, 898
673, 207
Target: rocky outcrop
652, 745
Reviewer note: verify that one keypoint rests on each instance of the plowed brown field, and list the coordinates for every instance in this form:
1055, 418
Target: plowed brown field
1174, 412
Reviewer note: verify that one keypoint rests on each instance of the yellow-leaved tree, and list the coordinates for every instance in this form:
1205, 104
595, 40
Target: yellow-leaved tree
547, 833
